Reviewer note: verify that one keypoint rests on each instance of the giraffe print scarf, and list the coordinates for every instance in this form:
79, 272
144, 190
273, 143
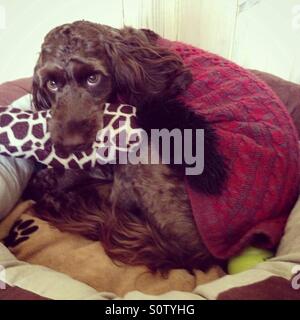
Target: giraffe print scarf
25, 134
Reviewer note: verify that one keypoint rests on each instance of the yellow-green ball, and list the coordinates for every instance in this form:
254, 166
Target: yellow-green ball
248, 259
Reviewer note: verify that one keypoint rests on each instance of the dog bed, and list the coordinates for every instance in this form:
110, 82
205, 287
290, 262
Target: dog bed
277, 278
21, 229
36, 242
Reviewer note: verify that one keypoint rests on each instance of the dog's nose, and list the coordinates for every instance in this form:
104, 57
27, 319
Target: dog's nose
73, 140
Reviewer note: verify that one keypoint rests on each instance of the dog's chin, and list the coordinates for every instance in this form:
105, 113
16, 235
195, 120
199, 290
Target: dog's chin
65, 150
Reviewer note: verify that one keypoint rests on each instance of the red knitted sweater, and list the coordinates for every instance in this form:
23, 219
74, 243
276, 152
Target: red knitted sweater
258, 138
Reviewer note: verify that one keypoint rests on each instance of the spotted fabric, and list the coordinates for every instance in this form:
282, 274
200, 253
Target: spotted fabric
25, 134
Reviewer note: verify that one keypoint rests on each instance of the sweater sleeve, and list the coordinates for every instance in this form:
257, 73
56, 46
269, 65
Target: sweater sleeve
14, 173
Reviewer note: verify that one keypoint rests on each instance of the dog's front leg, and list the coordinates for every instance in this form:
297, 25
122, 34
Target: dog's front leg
72, 200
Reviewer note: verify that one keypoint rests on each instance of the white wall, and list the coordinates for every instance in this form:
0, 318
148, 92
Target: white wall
27, 22
262, 34
267, 37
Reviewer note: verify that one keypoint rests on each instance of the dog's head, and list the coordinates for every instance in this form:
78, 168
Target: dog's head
83, 65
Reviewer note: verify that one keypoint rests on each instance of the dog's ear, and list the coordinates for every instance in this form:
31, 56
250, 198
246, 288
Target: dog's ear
151, 35
143, 70
39, 96
129, 76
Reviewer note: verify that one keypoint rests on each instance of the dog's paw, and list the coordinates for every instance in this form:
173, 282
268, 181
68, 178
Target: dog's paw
46, 179
42, 182
57, 202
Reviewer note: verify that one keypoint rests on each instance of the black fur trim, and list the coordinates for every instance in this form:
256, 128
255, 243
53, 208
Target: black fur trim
174, 114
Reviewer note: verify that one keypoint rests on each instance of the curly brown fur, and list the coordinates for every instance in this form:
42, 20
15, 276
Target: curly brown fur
125, 215
144, 216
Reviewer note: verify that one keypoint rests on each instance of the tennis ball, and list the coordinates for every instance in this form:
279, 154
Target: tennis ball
248, 259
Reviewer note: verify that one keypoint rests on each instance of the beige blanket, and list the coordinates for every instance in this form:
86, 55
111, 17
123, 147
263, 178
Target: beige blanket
35, 241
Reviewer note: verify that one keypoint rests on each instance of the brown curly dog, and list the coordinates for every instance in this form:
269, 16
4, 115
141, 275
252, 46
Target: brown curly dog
141, 213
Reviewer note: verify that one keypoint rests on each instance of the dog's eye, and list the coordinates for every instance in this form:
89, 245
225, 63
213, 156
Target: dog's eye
52, 85
93, 79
